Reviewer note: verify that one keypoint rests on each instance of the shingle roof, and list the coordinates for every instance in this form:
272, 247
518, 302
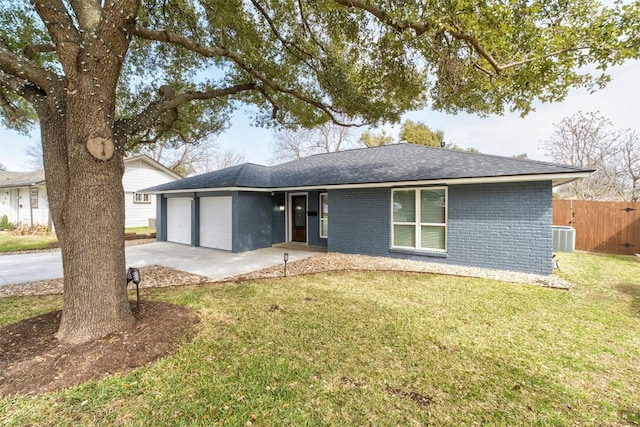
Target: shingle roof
391, 163
20, 179
244, 175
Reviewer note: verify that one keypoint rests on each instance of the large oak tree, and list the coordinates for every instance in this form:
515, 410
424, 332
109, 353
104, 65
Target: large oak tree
102, 75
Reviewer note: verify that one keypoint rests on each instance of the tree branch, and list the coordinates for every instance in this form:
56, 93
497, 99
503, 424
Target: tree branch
21, 87
176, 39
56, 18
290, 46
152, 113
179, 40
548, 55
87, 12
24, 69
31, 51
385, 17
454, 31
62, 31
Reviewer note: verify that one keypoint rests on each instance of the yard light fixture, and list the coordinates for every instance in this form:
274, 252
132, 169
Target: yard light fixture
286, 258
133, 275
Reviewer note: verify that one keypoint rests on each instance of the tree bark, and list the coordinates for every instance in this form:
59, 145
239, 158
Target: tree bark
86, 200
84, 167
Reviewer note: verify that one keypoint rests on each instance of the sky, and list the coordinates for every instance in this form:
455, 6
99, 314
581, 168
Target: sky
506, 135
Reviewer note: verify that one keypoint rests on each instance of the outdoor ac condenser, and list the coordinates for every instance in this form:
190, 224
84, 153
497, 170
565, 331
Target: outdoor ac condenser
564, 238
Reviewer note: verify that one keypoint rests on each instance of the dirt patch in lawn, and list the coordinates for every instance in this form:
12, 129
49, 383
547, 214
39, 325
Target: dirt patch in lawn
33, 362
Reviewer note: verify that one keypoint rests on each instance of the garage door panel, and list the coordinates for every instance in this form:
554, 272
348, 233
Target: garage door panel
215, 222
179, 220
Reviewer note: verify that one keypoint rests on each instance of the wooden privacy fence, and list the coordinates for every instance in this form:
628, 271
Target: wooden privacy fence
606, 227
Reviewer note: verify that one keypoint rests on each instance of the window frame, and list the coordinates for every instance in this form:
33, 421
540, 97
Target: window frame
34, 195
143, 199
417, 224
321, 219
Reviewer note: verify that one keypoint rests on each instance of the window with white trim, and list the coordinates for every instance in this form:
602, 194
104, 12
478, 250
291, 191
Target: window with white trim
419, 218
33, 194
324, 215
141, 198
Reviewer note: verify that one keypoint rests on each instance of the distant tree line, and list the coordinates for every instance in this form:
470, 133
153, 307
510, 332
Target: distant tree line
590, 140
290, 144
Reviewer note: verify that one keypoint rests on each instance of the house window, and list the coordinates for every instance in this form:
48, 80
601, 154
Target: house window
34, 198
324, 215
141, 198
419, 218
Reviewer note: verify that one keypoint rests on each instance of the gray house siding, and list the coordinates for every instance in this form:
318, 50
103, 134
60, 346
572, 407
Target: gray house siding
359, 221
313, 220
505, 226
278, 222
252, 221
161, 215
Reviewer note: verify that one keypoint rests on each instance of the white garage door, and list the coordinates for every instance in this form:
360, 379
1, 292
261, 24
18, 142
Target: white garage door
215, 222
179, 220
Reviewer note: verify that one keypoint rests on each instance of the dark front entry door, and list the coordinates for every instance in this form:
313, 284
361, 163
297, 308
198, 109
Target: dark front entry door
299, 218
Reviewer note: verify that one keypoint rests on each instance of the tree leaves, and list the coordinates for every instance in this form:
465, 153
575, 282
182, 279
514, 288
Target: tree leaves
313, 61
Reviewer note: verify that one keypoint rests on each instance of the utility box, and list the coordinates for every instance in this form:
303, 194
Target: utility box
564, 238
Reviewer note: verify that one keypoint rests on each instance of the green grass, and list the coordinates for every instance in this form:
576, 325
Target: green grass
10, 242
140, 230
379, 349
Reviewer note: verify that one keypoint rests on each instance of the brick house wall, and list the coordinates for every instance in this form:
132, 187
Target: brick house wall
504, 226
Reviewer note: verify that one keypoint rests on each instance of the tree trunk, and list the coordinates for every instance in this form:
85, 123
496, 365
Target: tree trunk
84, 166
86, 200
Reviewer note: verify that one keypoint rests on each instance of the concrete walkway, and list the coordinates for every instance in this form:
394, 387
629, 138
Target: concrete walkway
212, 263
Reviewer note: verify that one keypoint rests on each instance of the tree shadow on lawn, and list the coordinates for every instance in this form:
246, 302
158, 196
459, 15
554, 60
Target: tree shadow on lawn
33, 362
633, 290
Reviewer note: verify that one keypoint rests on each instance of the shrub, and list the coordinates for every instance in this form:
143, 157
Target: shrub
36, 230
5, 224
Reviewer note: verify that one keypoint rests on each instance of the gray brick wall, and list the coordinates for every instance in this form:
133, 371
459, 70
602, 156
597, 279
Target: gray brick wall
313, 221
277, 218
251, 221
161, 218
505, 226
359, 221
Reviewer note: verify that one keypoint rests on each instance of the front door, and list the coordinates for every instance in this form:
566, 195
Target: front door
299, 218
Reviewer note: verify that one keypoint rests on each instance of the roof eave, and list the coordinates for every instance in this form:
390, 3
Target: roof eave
23, 184
556, 179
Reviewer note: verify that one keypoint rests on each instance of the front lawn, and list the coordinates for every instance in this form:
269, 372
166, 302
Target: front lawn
381, 349
140, 230
10, 242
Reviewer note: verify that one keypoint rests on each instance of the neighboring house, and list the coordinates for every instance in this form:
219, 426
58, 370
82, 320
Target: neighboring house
402, 201
23, 196
141, 172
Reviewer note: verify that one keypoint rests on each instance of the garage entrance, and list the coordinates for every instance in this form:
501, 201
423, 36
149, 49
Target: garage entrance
215, 222
179, 220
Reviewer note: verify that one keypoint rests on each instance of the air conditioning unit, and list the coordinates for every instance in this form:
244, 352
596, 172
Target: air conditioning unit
564, 238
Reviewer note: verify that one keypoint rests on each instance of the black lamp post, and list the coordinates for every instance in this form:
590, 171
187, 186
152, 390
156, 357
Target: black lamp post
286, 258
133, 275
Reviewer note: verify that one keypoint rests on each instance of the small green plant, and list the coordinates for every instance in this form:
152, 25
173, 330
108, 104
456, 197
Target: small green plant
5, 224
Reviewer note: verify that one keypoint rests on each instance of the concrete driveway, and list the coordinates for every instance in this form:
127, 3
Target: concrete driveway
212, 263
